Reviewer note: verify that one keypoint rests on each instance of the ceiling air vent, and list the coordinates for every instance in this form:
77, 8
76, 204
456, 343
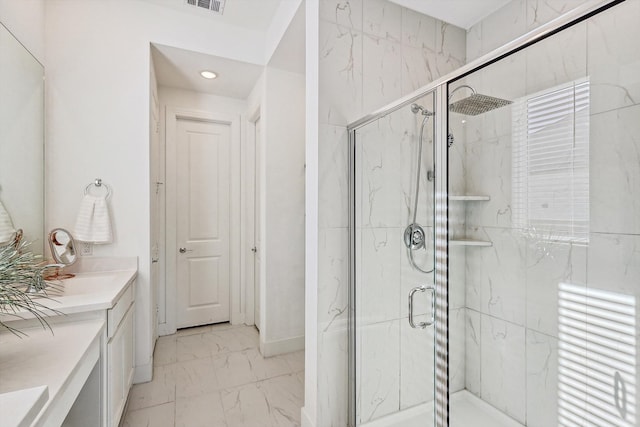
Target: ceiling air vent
215, 6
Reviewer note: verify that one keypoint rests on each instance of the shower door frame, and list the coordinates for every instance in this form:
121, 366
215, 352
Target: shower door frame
440, 89
441, 246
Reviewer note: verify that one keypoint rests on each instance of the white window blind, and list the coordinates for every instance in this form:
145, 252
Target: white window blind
551, 163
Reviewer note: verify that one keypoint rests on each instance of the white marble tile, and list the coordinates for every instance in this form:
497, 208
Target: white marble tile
503, 279
295, 361
457, 276
472, 352
489, 165
556, 60
411, 278
378, 376
340, 74
503, 366
236, 369
265, 367
417, 372
381, 195
275, 402
542, 380
614, 171
613, 61
614, 263
419, 68
418, 30
451, 41
156, 416
195, 377
457, 340
474, 42
333, 267
504, 25
165, 351
161, 389
474, 271
332, 377
190, 347
548, 265
446, 63
381, 73
540, 12
200, 411
378, 291
347, 13
382, 18
333, 198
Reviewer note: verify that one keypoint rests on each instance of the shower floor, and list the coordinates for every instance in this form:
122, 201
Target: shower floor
466, 410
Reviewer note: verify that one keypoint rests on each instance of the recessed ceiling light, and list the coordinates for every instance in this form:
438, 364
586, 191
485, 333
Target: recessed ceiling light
208, 74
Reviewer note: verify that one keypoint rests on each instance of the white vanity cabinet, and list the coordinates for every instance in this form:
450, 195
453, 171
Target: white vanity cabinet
120, 355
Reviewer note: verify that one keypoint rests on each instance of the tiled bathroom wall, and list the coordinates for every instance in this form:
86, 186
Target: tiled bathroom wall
542, 330
372, 52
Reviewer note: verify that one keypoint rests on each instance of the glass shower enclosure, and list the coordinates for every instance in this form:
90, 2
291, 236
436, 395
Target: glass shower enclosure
495, 249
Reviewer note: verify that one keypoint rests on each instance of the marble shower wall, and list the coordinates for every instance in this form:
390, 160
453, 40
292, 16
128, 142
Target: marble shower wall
372, 52
514, 318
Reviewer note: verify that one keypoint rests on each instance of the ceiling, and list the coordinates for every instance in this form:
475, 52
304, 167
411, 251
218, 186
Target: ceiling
462, 13
179, 68
251, 14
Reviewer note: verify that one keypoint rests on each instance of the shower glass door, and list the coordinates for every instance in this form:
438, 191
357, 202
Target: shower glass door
392, 375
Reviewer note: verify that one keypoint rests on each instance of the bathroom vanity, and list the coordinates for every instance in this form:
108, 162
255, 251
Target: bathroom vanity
80, 374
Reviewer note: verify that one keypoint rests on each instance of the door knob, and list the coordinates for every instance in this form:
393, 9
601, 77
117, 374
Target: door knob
184, 250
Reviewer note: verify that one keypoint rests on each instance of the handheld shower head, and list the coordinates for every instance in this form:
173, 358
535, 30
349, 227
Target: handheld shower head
476, 103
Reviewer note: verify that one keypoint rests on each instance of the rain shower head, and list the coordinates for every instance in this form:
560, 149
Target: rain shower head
476, 103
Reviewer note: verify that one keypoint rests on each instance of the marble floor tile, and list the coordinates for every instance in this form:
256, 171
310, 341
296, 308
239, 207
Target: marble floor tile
156, 416
215, 376
165, 351
162, 389
200, 411
195, 377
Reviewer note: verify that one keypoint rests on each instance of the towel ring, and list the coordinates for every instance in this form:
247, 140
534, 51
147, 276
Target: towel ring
98, 183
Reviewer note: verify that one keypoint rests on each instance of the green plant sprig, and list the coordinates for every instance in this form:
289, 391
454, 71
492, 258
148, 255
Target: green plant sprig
21, 273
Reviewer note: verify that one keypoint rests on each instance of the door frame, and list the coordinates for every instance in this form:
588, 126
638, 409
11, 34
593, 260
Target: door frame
172, 115
250, 218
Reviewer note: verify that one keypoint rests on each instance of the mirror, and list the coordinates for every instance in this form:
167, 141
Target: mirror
63, 250
22, 139
63, 247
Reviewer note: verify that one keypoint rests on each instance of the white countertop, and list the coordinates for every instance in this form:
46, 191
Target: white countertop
61, 362
20, 408
84, 292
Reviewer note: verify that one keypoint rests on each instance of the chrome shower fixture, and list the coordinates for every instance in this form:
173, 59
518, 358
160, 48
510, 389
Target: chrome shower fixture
415, 109
476, 103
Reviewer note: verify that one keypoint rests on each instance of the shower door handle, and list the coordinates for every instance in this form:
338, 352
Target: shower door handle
412, 292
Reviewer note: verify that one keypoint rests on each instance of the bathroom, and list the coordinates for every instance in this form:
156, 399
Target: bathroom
360, 57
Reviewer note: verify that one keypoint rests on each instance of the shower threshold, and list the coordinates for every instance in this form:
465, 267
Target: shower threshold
465, 410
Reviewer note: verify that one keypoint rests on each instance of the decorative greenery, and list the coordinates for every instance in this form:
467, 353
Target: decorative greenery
20, 278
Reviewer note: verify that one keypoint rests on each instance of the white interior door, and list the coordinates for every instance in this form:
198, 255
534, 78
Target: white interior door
203, 207
257, 244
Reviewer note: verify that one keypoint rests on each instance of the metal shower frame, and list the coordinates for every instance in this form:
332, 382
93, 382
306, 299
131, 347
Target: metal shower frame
440, 89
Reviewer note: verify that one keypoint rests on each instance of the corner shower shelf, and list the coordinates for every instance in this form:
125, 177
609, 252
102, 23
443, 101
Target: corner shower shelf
470, 198
470, 242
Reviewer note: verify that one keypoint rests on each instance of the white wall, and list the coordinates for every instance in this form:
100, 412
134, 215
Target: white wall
97, 60
25, 19
283, 121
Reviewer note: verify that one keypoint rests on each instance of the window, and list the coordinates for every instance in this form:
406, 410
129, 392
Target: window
551, 163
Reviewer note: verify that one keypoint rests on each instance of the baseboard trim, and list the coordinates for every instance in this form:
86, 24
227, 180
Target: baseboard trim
306, 420
143, 373
288, 345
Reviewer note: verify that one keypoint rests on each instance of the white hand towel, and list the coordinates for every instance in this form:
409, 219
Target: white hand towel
7, 229
93, 223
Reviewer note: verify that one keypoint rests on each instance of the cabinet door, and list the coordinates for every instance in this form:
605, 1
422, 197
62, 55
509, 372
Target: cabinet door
120, 350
